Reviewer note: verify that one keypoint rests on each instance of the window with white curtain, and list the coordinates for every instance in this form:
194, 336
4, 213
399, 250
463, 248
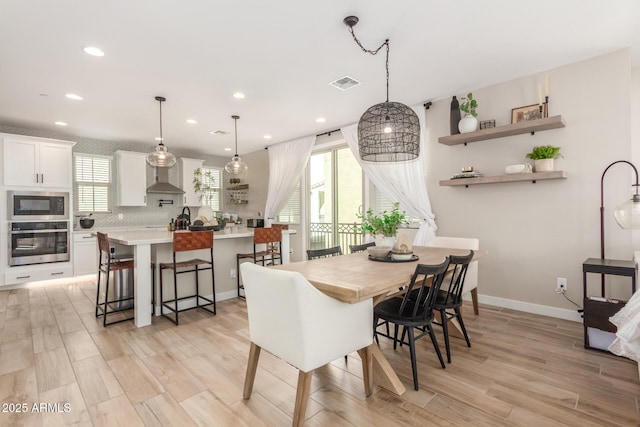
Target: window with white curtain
291, 212
212, 179
92, 178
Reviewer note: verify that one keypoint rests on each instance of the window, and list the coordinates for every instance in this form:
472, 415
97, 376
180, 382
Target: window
290, 213
93, 179
212, 181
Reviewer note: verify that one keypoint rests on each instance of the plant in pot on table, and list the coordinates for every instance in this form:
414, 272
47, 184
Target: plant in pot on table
543, 156
469, 123
383, 227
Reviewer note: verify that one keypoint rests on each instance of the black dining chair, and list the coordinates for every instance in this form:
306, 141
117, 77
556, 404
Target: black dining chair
414, 311
360, 248
323, 253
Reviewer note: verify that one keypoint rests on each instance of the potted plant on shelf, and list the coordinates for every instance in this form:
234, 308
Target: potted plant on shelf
469, 123
383, 227
202, 184
543, 156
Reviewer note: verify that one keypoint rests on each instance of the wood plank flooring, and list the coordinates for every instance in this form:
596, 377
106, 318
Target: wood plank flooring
522, 370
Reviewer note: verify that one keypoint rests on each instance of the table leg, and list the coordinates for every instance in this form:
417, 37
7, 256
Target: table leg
383, 373
142, 284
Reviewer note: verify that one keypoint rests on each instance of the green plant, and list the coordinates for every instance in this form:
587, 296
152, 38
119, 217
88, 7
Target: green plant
469, 105
202, 184
385, 223
544, 152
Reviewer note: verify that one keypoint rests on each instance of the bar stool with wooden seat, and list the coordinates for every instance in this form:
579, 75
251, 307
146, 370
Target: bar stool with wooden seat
105, 266
184, 242
272, 238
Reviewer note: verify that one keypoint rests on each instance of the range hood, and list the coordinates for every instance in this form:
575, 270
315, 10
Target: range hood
162, 185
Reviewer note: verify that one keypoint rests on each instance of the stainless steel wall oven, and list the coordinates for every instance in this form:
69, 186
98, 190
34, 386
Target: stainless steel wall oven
38, 242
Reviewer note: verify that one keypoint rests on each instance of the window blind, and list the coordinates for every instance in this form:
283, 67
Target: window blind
92, 179
212, 178
291, 212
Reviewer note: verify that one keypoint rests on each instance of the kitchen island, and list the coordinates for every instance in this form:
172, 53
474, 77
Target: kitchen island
155, 245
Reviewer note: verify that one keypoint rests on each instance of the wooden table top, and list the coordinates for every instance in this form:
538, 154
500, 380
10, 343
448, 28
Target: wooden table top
353, 277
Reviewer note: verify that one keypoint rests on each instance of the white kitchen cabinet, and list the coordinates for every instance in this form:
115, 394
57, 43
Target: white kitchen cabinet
85, 254
187, 166
37, 162
132, 178
27, 274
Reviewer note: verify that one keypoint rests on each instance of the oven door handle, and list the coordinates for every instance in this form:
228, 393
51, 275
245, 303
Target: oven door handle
52, 230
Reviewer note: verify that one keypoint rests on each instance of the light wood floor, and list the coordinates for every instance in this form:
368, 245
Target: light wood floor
522, 369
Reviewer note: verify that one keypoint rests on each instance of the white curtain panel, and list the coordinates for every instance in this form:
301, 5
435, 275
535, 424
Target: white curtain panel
286, 163
403, 182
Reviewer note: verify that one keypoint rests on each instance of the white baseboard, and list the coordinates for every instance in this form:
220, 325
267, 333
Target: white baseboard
527, 307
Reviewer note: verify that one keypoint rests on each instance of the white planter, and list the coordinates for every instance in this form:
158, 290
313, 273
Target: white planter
544, 165
206, 212
382, 240
468, 124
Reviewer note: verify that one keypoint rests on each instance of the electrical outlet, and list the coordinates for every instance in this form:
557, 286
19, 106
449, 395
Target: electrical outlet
233, 273
120, 216
561, 285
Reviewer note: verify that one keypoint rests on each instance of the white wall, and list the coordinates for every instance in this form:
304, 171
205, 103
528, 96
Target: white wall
537, 232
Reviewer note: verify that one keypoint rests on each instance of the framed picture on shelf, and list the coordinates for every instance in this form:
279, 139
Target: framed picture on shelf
529, 112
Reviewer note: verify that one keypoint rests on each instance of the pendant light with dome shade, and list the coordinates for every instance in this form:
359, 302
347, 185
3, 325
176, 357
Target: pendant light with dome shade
161, 157
236, 166
389, 131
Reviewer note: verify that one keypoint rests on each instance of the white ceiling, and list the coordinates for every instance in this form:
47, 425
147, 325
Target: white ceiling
281, 53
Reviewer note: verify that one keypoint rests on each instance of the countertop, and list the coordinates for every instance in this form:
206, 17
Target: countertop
137, 236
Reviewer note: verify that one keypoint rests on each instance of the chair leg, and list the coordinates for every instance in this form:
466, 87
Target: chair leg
436, 346
445, 332
153, 290
367, 369
175, 292
161, 297
414, 363
98, 293
474, 299
252, 367
238, 275
106, 300
395, 335
464, 330
302, 397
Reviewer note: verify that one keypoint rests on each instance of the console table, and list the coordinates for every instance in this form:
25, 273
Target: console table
596, 313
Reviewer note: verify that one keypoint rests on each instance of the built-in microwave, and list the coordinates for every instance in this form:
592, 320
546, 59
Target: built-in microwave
35, 205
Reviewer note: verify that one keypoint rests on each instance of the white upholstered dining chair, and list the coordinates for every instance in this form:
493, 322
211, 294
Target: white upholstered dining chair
471, 281
297, 323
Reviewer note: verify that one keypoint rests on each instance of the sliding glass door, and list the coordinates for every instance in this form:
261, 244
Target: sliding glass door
335, 199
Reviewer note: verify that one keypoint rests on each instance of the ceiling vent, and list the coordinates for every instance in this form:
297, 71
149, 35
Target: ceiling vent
219, 132
344, 83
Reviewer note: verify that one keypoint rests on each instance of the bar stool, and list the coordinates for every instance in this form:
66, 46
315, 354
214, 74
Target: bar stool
272, 238
106, 265
183, 242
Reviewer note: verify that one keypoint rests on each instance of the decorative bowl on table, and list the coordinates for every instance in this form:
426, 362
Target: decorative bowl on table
401, 256
379, 251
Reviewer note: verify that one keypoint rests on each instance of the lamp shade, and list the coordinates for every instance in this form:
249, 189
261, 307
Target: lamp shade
236, 166
389, 132
627, 215
161, 157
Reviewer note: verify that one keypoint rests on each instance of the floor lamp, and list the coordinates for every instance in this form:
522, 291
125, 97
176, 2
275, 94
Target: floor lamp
627, 214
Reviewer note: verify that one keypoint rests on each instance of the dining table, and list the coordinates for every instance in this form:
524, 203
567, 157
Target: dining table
356, 277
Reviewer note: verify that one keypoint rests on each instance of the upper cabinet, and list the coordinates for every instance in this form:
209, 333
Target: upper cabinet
187, 166
132, 178
36, 162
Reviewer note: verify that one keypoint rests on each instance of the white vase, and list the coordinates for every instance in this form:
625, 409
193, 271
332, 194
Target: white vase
206, 212
544, 165
382, 240
468, 124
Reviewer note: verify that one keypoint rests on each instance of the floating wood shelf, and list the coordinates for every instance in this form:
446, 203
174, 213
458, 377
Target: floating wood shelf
519, 128
533, 177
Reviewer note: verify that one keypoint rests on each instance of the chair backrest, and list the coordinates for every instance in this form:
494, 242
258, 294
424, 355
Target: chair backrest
455, 279
103, 242
471, 281
420, 297
360, 248
280, 226
192, 240
293, 320
267, 235
324, 253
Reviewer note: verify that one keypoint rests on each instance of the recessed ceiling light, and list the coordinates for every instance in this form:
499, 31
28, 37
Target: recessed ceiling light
93, 51
60, 123
191, 121
321, 120
238, 95
227, 149
267, 137
74, 96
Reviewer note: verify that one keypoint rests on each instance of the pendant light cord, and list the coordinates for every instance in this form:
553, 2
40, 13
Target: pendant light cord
235, 125
374, 52
161, 138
